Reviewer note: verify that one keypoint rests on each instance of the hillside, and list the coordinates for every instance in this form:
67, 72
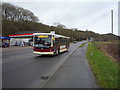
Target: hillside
17, 19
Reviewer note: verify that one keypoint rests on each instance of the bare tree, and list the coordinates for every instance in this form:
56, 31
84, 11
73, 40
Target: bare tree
15, 13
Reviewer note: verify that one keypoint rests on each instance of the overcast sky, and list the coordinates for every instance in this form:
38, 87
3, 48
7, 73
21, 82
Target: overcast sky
88, 15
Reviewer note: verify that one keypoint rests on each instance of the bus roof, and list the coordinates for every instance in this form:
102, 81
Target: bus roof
56, 35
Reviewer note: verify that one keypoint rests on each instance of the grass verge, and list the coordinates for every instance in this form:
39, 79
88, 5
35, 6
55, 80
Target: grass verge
105, 70
82, 44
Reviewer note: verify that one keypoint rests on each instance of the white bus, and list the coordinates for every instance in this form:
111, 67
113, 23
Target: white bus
49, 43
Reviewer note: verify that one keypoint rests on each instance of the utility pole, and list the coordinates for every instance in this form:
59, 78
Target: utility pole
112, 21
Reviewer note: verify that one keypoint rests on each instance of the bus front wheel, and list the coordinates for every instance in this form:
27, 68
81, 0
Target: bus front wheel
56, 52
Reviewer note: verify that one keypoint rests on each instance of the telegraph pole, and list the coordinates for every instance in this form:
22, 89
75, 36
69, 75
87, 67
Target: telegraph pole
112, 21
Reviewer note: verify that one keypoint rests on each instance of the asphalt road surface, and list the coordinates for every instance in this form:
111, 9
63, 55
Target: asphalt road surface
22, 69
0, 68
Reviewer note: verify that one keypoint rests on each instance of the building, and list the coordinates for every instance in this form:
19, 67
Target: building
19, 39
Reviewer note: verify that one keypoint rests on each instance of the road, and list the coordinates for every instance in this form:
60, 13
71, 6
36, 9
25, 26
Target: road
0, 68
22, 69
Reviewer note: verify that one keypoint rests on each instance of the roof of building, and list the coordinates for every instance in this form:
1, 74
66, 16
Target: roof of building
21, 35
7, 38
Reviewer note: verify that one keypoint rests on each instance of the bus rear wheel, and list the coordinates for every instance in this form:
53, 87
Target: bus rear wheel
57, 52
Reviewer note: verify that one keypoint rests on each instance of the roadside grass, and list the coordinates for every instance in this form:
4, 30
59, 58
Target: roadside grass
107, 42
110, 48
82, 44
104, 69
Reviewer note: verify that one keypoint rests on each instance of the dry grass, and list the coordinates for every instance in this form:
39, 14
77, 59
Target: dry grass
110, 48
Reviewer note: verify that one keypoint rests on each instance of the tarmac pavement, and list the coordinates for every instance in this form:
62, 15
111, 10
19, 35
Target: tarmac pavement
75, 73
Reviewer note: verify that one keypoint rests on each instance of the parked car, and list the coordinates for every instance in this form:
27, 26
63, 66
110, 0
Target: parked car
4, 44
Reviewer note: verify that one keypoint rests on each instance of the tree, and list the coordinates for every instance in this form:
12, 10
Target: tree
14, 13
59, 25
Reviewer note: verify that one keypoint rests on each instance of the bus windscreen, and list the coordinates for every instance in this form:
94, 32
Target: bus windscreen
42, 41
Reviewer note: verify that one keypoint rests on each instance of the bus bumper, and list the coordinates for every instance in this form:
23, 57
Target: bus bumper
44, 53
